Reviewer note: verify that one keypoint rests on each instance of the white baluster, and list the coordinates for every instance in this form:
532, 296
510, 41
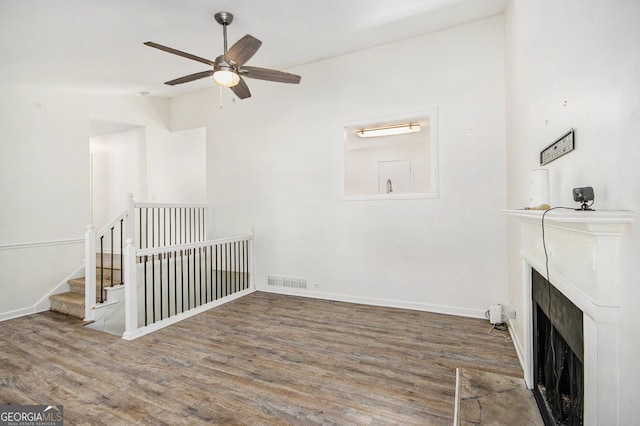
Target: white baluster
131, 218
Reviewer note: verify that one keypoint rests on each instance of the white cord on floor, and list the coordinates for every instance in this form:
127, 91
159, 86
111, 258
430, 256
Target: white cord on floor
493, 327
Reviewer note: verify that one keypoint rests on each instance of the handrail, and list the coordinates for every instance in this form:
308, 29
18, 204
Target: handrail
200, 244
113, 223
170, 206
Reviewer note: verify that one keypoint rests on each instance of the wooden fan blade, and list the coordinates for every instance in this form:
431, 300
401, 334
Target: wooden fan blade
270, 75
242, 50
180, 53
190, 77
241, 89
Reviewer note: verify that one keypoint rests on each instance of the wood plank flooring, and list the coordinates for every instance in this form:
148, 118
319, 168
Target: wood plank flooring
264, 359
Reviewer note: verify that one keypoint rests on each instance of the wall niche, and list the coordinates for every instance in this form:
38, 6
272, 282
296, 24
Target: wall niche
391, 157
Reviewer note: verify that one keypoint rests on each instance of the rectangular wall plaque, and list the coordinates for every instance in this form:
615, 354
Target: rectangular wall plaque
562, 146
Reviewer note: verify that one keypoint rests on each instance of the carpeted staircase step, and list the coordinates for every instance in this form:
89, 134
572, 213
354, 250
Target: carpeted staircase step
106, 261
72, 302
77, 285
117, 274
117, 277
68, 303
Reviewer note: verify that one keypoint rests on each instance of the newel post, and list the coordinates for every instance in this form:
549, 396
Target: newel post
130, 290
131, 215
89, 273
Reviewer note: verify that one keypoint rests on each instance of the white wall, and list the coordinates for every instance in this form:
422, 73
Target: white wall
119, 168
177, 166
44, 184
274, 161
583, 53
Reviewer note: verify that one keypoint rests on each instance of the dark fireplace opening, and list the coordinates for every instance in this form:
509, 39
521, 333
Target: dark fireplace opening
558, 349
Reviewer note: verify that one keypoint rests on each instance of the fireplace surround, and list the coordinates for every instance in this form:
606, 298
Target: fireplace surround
583, 258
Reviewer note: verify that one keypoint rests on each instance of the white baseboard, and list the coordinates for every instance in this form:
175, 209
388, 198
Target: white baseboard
389, 303
519, 350
4, 316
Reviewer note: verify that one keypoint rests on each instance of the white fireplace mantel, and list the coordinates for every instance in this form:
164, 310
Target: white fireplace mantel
582, 254
596, 222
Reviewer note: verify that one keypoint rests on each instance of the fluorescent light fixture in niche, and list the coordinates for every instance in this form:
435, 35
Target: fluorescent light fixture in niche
392, 130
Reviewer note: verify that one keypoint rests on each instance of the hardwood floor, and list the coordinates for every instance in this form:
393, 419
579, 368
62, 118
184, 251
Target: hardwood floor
263, 359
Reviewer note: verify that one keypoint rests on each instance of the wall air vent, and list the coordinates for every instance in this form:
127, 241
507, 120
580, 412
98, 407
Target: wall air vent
286, 282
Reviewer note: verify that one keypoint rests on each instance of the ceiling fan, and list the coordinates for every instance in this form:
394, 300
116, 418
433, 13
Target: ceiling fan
228, 68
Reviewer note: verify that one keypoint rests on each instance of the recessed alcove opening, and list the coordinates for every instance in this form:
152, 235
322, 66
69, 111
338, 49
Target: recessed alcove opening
380, 164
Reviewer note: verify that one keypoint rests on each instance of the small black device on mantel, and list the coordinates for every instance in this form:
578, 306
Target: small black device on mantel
584, 195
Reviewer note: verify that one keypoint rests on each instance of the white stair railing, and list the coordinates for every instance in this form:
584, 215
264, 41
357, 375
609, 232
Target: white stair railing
164, 285
168, 269
147, 225
95, 249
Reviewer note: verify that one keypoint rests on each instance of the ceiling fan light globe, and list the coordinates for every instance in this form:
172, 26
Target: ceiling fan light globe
226, 78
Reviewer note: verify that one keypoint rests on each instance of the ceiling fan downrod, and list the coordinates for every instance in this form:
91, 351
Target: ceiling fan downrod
224, 19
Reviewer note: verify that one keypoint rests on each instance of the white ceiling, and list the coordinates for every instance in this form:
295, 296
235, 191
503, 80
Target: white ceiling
96, 45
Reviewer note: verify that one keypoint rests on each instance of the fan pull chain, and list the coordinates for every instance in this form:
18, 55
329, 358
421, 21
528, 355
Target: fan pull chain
220, 87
